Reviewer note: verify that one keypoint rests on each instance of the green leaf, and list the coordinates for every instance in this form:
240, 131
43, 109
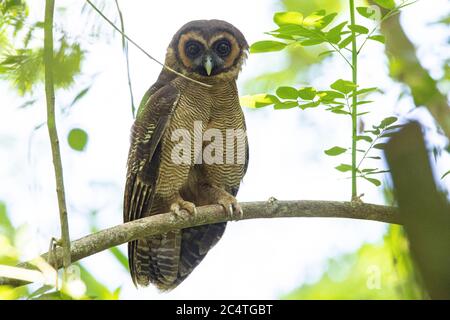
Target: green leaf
80, 95
364, 102
312, 42
445, 174
325, 53
362, 113
285, 105
287, 93
364, 91
380, 146
343, 86
267, 46
330, 95
358, 28
311, 104
397, 126
387, 122
315, 19
335, 151
365, 138
387, 4
378, 37
344, 167
368, 170
345, 42
334, 34
77, 139
258, 100
374, 181
326, 20
366, 12
339, 111
290, 17
307, 93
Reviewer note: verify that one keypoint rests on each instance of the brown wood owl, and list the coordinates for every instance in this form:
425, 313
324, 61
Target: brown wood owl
210, 51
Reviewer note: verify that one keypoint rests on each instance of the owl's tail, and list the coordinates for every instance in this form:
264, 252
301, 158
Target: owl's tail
166, 260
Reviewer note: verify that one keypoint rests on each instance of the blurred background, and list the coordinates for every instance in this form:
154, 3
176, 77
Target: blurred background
304, 258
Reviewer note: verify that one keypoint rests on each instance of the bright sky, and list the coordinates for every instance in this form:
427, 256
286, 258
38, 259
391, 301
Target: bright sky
255, 259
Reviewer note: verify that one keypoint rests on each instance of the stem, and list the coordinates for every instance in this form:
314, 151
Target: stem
125, 51
354, 99
53, 133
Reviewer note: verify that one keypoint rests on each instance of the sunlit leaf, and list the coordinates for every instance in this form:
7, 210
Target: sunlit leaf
287, 93
77, 139
380, 146
344, 167
345, 42
366, 12
378, 37
311, 104
285, 105
387, 4
343, 86
374, 181
335, 151
334, 34
358, 28
307, 93
365, 138
258, 100
291, 17
267, 46
387, 122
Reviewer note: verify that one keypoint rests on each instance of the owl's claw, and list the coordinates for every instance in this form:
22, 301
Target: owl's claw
230, 211
181, 205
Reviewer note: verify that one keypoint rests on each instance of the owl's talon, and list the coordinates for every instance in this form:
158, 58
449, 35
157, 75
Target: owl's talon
183, 206
230, 211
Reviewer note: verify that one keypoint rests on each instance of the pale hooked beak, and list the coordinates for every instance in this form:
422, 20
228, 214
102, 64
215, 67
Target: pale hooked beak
208, 65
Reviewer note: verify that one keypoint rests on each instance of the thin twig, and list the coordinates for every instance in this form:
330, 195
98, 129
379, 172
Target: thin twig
52, 131
125, 51
163, 223
142, 50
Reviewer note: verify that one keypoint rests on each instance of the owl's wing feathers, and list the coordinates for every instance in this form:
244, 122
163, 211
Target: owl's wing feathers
144, 157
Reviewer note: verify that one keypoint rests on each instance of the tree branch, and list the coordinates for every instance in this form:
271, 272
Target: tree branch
53, 133
162, 223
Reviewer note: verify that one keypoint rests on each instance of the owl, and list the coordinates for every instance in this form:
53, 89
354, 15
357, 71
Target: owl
211, 52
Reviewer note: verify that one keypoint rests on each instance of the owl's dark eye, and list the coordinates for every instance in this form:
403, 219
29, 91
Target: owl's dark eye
223, 47
193, 49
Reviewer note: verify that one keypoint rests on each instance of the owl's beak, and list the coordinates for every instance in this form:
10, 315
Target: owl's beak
208, 65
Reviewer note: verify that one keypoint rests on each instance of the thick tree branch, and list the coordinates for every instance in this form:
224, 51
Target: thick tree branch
162, 223
53, 133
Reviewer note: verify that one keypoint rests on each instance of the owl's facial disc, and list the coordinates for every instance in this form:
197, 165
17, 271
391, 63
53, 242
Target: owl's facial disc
207, 58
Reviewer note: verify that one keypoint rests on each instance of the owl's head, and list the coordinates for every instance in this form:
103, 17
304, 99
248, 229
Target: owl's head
208, 49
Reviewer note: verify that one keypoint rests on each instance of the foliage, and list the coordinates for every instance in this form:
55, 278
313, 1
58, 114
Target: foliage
375, 271
344, 96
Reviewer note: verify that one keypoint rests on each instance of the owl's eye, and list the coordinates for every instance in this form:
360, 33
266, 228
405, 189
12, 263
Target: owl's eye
223, 48
192, 49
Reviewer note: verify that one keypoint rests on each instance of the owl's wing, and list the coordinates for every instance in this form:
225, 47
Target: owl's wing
144, 156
